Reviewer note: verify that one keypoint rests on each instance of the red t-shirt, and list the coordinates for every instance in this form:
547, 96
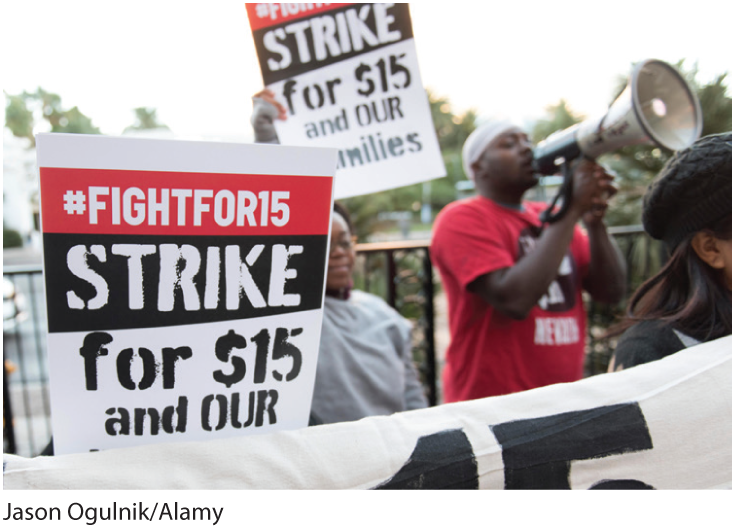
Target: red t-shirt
490, 353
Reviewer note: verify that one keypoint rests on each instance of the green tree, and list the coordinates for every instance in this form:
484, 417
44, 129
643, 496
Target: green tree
451, 131
17, 116
20, 118
145, 119
560, 117
365, 210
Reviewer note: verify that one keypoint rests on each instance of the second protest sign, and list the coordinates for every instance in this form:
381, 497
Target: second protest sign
348, 76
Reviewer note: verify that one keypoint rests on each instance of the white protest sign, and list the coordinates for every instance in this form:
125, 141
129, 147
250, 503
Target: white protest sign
662, 425
349, 78
184, 286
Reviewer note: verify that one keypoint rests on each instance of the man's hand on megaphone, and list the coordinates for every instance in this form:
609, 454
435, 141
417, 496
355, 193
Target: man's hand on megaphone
601, 201
593, 187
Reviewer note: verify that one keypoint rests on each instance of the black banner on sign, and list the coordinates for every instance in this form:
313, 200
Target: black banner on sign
299, 46
109, 282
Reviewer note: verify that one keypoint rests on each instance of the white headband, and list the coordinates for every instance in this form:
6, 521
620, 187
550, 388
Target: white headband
478, 141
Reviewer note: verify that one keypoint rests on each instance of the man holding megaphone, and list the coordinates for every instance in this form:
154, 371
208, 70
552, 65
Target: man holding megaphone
514, 270
514, 286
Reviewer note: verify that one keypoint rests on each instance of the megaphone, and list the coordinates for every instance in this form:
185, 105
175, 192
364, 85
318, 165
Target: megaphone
657, 107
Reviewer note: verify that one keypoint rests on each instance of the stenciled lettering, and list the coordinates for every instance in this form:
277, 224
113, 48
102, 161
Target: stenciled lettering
537, 453
177, 268
330, 36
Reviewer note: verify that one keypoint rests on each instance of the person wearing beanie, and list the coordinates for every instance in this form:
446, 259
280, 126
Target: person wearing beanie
689, 301
514, 285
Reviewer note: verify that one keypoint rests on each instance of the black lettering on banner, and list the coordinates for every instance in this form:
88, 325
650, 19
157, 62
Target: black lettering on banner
267, 399
537, 453
306, 94
444, 460
235, 413
122, 422
222, 349
221, 408
281, 349
360, 71
262, 341
327, 126
399, 77
230, 407
90, 350
387, 109
170, 357
375, 148
119, 421
399, 69
125, 365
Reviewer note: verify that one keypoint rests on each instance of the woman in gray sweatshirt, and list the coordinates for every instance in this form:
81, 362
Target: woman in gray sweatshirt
365, 366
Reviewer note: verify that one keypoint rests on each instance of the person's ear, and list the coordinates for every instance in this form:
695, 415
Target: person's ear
705, 246
475, 166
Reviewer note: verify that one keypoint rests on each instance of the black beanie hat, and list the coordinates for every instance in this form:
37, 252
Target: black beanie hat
692, 191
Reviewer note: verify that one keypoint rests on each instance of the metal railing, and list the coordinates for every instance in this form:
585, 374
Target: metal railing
26, 403
400, 272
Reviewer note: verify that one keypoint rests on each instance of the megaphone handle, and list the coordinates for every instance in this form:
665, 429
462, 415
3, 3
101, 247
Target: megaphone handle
565, 192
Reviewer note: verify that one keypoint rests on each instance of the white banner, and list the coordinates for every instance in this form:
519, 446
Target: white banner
349, 78
184, 287
662, 425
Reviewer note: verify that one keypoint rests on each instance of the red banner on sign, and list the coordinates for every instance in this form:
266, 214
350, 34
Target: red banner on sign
263, 15
175, 203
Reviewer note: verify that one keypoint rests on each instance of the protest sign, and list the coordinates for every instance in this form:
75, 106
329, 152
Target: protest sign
184, 287
662, 425
348, 77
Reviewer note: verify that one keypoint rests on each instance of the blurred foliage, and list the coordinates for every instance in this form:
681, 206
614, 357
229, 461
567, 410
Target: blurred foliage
145, 119
11, 238
17, 117
20, 117
560, 117
365, 210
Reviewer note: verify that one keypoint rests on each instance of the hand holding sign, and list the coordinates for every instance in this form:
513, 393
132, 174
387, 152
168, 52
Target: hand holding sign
269, 97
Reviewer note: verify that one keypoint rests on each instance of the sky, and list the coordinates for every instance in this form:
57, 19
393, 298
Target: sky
194, 61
